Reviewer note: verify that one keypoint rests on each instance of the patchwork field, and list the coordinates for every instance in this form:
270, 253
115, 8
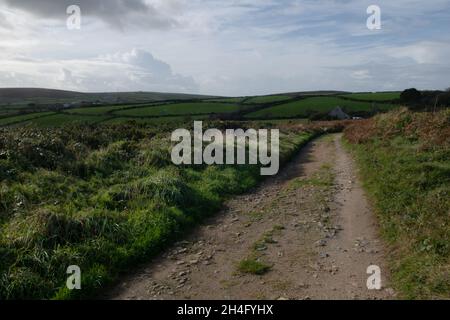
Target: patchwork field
96, 110
179, 109
292, 105
22, 118
302, 108
268, 99
375, 96
159, 120
228, 100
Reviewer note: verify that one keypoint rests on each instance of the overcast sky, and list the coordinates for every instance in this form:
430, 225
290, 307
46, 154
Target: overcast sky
225, 47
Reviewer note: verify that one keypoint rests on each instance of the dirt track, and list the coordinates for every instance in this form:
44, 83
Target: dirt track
318, 237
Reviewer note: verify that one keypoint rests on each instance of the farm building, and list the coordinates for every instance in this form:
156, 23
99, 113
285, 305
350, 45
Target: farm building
339, 114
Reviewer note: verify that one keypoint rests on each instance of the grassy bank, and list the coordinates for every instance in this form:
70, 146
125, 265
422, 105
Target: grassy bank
104, 198
405, 164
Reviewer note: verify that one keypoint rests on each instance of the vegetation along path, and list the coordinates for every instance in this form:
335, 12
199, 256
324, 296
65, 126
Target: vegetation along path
308, 233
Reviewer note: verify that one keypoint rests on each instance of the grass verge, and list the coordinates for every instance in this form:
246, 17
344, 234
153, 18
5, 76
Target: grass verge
404, 159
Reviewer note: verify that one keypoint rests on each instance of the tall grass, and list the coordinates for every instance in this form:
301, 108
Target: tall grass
103, 198
405, 162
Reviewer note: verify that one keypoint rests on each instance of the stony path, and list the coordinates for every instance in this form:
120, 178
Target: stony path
311, 224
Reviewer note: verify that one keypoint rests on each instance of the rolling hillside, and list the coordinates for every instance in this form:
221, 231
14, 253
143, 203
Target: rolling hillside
22, 97
44, 107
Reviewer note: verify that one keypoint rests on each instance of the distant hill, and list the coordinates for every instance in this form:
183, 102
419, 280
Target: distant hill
30, 93
40, 96
318, 93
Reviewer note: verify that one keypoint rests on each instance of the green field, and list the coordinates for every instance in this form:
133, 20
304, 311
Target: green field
180, 109
227, 100
22, 118
96, 110
374, 96
7, 112
117, 114
268, 99
257, 107
301, 108
161, 120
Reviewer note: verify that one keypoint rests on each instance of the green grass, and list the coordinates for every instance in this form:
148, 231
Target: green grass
374, 96
95, 110
268, 99
302, 108
227, 100
180, 109
63, 119
405, 167
22, 118
161, 120
103, 197
8, 112
253, 266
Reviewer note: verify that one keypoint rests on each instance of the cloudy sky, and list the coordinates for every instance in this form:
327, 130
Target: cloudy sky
225, 47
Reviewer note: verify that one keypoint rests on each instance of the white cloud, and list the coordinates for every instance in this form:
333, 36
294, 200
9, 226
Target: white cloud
136, 70
423, 52
361, 74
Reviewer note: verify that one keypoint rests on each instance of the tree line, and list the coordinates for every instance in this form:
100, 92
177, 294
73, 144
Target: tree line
425, 100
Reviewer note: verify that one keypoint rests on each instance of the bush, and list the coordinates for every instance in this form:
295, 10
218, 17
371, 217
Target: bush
411, 96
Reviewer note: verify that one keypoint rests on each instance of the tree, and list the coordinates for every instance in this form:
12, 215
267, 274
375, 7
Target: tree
411, 96
444, 99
